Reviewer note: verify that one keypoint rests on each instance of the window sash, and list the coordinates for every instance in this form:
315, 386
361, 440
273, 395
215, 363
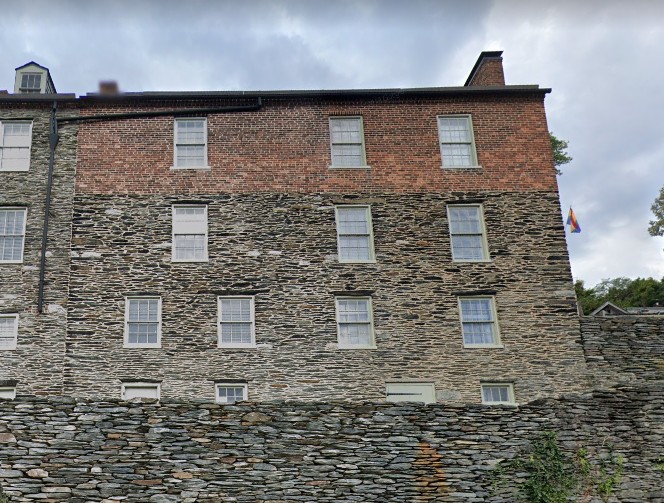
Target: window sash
15, 145
478, 321
497, 394
141, 390
236, 322
410, 392
190, 233
230, 393
354, 322
354, 234
457, 146
12, 234
347, 142
467, 234
8, 331
30, 82
143, 322
190, 143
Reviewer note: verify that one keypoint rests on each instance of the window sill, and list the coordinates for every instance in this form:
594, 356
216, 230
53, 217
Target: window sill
372, 261
236, 346
463, 168
197, 261
195, 168
16, 170
500, 404
483, 346
349, 167
356, 347
11, 262
8, 348
482, 261
141, 346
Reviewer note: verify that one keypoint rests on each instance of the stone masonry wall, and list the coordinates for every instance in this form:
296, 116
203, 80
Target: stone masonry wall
282, 249
36, 365
85, 451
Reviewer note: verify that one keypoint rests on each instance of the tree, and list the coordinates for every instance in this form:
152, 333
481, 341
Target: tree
657, 226
623, 292
559, 148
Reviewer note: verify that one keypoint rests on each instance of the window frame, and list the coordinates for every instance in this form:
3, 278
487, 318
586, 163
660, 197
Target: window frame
31, 90
483, 237
430, 385
363, 149
206, 234
372, 333
205, 164
25, 224
2, 146
140, 384
473, 150
230, 384
494, 321
237, 345
129, 345
14, 343
497, 384
11, 390
370, 235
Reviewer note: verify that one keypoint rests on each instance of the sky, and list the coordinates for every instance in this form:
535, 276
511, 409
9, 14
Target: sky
603, 59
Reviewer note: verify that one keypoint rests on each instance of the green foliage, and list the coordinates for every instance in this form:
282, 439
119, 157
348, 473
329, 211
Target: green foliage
560, 156
659, 464
657, 226
623, 292
553, 476
3, 497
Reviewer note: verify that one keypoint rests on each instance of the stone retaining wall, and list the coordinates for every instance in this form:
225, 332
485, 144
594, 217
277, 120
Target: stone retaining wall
84, 451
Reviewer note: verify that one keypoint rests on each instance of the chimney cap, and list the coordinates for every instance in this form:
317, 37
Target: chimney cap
483, 55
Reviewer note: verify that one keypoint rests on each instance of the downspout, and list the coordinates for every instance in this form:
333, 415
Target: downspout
53, 143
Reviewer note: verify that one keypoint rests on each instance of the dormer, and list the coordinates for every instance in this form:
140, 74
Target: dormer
32, 78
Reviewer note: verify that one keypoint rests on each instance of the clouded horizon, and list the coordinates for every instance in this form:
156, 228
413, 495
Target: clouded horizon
602, 59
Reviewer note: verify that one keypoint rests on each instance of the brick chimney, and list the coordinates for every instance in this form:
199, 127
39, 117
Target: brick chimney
108, 88
488, 70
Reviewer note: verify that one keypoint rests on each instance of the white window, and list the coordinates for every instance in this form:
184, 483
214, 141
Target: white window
347, 142
467, 233
12, 234
354, 234
355, 322
236, 322
457, 146
140, 390
230, 392
478, 322
15, 143
143, 322
498, 393
7, 392
30, 82
191, 143
411, 392
190, 231
8, 331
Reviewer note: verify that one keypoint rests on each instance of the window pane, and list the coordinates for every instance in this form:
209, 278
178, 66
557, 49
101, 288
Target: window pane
11, 222
190, 155
467, 248
354, 248
236, 310
457, 155
495, 394
230, 394
454, 129
478, 333
465, 220
355, 334
235, 333
351, 310
190, 131
345, 130
347, 155
7, 327
476, 310
10, 248
190, 247
353, 220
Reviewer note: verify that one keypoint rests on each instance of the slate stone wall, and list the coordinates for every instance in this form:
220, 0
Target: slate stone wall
36, 365
92, 451
282, 248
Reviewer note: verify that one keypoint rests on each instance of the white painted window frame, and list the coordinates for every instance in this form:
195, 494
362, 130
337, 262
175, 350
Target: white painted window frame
140, 384
32, 90
485, 244
2, 146
13, 343
430, 385
205, 164
372, 332
363, 144
510, 391
473, 151
25, 223
173, 228
372, 252
244, 386
237, 345
126, 323
7, 392
494, 313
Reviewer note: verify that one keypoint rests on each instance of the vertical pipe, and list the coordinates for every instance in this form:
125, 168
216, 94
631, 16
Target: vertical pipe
53, 143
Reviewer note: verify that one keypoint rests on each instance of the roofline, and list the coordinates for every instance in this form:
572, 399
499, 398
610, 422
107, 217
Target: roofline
36, 98
33, 63
320, 93
483, 55
608, 303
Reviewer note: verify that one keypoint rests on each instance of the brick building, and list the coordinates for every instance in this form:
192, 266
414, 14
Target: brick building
313, 245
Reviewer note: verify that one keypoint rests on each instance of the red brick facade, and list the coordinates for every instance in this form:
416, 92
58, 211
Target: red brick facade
285, 146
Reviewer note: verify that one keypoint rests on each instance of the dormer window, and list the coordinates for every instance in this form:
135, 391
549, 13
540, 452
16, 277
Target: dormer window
30, 83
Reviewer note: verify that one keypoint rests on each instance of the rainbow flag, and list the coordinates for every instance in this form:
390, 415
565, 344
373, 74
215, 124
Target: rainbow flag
573, 222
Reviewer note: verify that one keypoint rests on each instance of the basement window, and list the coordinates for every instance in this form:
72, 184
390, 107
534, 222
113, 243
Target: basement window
230, 392
7, 393
498, 394
410, 392
141, 390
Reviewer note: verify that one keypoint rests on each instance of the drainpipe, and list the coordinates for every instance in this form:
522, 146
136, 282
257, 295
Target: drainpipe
53, 143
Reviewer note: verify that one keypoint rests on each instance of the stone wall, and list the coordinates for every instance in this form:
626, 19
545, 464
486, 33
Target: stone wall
282, 248
36, 365
84, 451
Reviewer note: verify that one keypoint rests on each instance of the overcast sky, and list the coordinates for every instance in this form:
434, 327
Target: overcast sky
602, 58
